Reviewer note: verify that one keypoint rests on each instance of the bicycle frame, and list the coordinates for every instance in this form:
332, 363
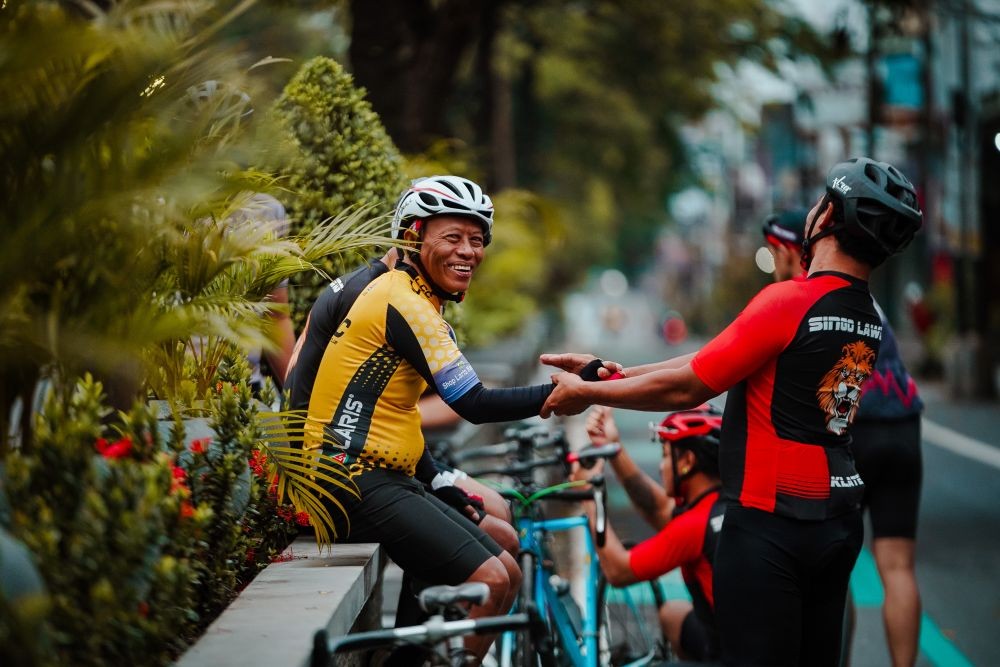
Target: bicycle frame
533, 531
547, 599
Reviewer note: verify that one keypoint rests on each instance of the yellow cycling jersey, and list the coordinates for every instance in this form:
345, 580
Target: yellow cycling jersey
390, 347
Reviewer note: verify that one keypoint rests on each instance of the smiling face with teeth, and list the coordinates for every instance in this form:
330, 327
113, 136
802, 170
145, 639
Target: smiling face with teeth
452, 248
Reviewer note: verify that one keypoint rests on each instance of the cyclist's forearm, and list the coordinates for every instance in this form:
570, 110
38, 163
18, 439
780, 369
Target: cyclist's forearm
664, 389
480, 405
613, 557
676, 362
646, 495
649, 498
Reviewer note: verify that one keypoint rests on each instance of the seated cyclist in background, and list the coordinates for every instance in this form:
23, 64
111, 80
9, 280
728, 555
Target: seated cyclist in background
392, 345
686, 510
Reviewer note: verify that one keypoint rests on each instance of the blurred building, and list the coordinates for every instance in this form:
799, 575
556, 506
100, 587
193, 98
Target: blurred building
919, 88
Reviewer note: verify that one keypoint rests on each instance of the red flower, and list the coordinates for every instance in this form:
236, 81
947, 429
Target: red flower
286, 513
144, 609
187, 509
200, 445
177, 484
302, 518
251, 555
218, 387
114, 450
258, 463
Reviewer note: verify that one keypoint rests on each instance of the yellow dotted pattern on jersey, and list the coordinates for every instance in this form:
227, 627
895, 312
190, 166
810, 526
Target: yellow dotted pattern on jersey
361, 365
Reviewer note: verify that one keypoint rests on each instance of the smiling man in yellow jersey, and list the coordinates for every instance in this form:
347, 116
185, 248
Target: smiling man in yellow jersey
391, 346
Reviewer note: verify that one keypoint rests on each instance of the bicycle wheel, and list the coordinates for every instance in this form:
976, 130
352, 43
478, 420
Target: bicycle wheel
629, 624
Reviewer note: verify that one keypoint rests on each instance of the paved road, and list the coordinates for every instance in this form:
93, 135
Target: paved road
959, 538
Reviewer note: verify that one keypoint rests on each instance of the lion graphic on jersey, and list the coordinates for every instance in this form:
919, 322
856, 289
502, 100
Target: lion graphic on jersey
840, 389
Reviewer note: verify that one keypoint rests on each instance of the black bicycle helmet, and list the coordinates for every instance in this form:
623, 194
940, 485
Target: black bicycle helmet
873, 201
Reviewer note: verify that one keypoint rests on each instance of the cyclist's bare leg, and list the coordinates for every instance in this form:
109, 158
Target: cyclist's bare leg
502, 533
895, 558
494, 503
493, 573
672, 615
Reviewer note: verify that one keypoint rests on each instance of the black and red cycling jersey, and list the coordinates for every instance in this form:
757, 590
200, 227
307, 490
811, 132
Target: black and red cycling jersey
688, 541
794, 362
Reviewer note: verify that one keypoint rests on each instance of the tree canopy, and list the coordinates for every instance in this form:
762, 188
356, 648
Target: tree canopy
580, 101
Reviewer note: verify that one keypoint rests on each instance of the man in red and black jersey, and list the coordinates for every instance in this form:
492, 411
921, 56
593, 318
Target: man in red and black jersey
793, 363
885, 441
687, 512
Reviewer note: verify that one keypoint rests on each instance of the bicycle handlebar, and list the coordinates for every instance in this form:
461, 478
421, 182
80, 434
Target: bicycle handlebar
588, 456
432, 632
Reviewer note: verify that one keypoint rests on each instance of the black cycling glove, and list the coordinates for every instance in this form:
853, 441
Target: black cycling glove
459, 499
589, 372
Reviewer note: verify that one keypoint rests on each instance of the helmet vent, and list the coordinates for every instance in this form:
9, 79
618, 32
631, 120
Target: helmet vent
452, 187
872, 172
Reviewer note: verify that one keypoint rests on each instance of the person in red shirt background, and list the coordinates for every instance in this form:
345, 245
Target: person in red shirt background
686, 510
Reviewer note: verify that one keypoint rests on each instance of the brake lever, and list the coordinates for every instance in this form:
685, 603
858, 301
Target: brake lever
601, 510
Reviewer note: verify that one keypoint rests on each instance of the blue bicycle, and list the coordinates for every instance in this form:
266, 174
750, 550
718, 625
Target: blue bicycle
579, 635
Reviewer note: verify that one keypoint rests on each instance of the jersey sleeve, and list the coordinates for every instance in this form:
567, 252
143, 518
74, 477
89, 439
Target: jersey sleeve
759, 333
428, 344
679, 542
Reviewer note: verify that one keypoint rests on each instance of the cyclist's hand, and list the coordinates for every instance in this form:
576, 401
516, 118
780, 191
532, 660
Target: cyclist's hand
601, 426
567, 398
573, 362
462, 501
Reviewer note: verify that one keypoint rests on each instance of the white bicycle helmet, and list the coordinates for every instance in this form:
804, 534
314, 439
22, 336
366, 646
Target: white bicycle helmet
443, 195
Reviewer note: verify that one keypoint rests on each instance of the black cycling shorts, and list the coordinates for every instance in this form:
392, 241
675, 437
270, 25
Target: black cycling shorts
780, 585
428, 539
887, 456
698, 641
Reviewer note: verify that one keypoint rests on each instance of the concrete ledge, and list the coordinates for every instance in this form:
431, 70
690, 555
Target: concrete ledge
273, 620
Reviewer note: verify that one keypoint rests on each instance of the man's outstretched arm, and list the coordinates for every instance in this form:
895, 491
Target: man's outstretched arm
661, 390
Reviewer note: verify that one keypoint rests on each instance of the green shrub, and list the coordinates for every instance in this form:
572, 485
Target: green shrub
346, 161
135, 531
113, 534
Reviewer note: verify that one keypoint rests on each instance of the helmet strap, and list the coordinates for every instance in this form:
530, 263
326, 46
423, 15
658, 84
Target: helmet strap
412, 263
809, 239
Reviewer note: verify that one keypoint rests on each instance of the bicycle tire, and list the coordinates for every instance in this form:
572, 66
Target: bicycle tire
624, 624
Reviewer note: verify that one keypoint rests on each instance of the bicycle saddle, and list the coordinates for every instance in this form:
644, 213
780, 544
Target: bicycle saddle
435, 598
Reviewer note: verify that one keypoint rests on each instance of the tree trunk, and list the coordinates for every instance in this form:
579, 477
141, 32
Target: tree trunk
406, 53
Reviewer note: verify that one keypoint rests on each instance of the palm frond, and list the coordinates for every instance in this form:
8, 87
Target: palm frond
282, 435
297, 471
